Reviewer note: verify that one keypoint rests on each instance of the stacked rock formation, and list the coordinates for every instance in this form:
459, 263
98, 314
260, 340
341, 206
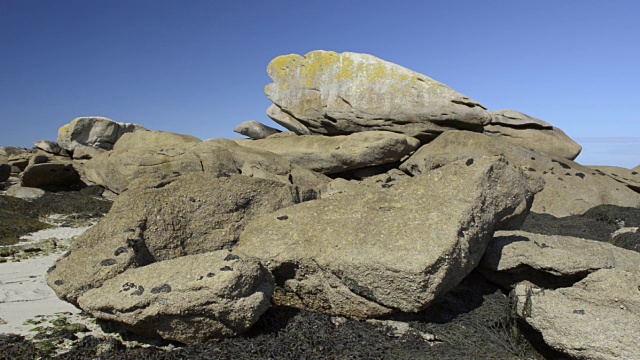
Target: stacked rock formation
389, 190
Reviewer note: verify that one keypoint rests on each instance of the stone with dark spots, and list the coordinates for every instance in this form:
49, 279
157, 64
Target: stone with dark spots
226, 268
58, 282
469, 162
210, 275
51, 269
580, 175
128, 286
283, 217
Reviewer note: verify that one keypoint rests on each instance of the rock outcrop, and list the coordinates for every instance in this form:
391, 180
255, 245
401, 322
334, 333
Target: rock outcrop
189, 299
337, 94
531, 133
255, 130
581, 295
630, 178
570, 188
334, 154
153, 152
98, 133
167, 217
373, 252
5, 172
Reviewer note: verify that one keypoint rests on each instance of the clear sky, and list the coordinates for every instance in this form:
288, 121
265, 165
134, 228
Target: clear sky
198, 67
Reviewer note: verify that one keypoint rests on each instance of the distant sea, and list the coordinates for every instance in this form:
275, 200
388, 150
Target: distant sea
610, 151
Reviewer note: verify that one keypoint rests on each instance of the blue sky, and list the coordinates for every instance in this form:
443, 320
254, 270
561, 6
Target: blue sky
199, 67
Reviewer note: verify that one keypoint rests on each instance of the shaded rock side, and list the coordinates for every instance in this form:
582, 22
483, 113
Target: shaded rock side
46, 175
154, 152
98, 132
163, 218
255, 130
5, 172
570, 188
337, 94
376, 251
189, 299
531, 133
334, 154
630, 178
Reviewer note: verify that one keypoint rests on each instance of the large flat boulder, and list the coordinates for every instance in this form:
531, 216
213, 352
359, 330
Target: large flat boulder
531, 133
190, 299
163, 218
154, 152
373, 251
97, 132
334, 154
570, 188
336, 94
581, 295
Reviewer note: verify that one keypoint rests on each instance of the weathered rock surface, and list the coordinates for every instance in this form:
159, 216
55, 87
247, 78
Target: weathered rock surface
12, 150
570, 188
334, 154
549, 261
189, 299
25, 193
153, 152
49, 146
531, 133
49, 175
597, 318
20, 160
98, 132
631, 178
255, 130
371, 252
163, 218
581, 295
338, 94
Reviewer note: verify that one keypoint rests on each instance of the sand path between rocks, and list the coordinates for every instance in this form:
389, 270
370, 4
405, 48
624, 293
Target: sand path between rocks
24, 293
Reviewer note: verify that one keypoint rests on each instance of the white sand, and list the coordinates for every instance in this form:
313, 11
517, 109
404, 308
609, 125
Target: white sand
24, 293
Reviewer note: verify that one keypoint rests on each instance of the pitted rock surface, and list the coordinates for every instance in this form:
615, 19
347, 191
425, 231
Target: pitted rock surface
376, 251
255, 130
165, 218
336, 94
189, 299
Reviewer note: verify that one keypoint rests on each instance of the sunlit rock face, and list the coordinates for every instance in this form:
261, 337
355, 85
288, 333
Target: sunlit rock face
336, 94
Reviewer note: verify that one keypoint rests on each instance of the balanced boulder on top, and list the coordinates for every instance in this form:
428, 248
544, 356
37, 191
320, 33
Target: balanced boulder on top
336, 94
97, 132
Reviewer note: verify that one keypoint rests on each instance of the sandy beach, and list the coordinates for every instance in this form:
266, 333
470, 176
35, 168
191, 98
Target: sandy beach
24, 293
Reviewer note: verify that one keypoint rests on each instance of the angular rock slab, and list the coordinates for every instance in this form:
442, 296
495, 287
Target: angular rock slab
337, 94
595, 312
334, 154
98, 132
255, 130
376, 251
154, 152
570, 188
631, 178
189, 299
165, 218
531, 133
549, 260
